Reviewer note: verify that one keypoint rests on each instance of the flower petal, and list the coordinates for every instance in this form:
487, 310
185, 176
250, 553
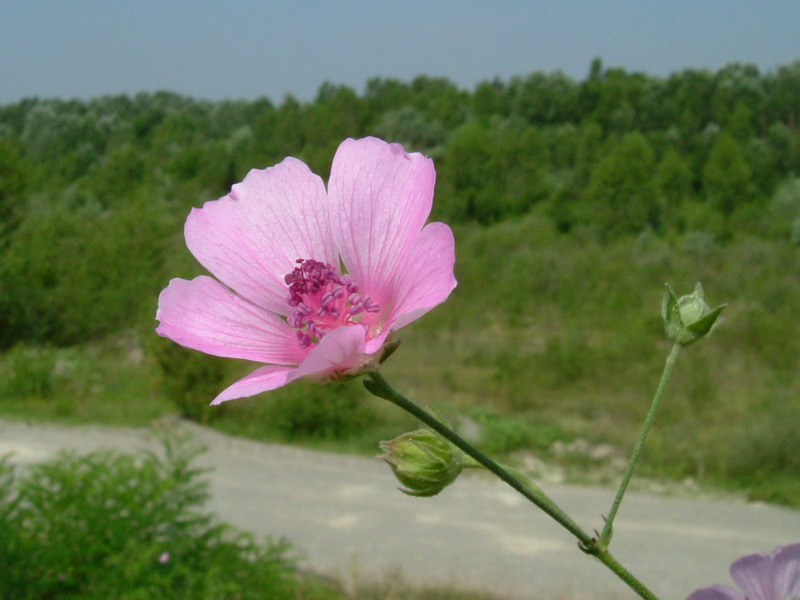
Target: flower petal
716, 592
251, 238
263, 379
754, 574
339, 351
786, 562
380, 197
425, 278
204, 315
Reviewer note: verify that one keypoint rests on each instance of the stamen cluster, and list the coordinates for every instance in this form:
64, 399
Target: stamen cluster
323, 300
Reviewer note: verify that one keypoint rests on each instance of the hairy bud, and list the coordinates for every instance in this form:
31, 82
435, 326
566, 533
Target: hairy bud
688, 318
423, 461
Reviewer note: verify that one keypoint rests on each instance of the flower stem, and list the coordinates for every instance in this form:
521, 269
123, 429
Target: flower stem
605, 535
378, 386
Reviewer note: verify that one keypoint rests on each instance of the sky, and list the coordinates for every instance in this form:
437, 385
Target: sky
250, 48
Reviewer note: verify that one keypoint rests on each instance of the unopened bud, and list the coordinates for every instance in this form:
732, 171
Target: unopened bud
423, 461
688, 318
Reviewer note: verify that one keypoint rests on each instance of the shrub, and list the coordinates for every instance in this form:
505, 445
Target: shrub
111, 525
335, 411
190, 379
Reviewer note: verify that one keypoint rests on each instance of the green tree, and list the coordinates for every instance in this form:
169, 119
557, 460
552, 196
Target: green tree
688, 100
738, 96
382, 95
544, 99
411, 128
588, 150
619, 102
490, 98
782, 102
440, 100
14, 176
673, 182
785, 142
279, 133
727, 177
467, 168
621, 196
496, 170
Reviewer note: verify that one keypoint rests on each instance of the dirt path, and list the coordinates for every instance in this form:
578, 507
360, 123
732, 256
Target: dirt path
349, 520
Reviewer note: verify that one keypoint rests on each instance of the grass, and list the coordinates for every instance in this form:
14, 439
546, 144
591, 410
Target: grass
109, 382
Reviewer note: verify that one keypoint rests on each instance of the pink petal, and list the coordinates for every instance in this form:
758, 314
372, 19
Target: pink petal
754, 575
339, 351
716, 592
263, 379
251, 238
787, 571
204, 315
425, 277
379, 197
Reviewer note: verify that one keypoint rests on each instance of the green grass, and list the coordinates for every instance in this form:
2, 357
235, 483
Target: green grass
110, 382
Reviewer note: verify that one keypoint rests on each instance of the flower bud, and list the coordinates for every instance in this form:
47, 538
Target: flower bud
688, 318
423, 461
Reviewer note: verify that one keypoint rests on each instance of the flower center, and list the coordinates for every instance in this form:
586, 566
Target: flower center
323, 300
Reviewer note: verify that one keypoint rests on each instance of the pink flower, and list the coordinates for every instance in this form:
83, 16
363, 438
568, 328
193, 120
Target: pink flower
773, 576
163, 558
308, 281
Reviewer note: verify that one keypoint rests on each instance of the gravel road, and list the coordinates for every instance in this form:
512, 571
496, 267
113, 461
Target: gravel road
346, 516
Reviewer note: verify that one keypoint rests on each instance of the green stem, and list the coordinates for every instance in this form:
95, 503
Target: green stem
605, 557
605, 536
378, 386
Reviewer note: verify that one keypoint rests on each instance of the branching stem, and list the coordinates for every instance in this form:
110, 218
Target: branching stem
608, 528
378, 386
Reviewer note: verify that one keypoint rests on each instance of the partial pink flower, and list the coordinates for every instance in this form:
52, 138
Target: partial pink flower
773, 576
308, 281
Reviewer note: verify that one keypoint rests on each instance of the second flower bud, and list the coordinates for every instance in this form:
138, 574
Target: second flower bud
423, 461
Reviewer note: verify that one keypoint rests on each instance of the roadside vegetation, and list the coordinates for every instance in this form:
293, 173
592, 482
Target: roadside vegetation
572, 202
108, 524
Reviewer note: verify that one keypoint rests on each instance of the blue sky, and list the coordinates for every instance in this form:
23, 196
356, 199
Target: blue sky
248, 48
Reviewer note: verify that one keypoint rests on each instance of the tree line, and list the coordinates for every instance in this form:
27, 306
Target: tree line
92, 192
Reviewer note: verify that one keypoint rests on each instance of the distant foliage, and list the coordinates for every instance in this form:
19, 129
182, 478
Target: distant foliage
621, 196
92, 193
336, 411
189, 379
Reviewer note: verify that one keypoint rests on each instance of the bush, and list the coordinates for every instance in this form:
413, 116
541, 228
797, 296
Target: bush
75, 273
335, 411
190, 379
111, 525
